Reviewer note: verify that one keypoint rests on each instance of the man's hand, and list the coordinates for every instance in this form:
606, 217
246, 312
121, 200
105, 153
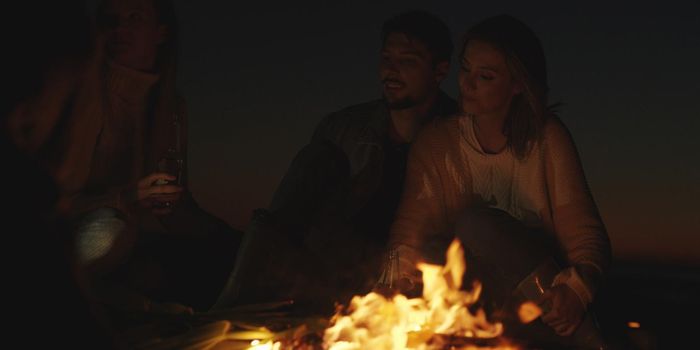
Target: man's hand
566, 312
154, 192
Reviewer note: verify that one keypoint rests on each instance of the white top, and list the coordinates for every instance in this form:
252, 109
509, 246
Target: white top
502, 181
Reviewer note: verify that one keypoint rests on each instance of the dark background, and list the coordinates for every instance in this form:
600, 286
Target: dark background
259, 77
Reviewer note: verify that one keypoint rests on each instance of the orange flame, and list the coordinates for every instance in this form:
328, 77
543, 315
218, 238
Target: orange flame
375, 322
528, 312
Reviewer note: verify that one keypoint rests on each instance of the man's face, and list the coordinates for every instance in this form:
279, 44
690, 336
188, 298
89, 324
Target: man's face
407, 71
132, 32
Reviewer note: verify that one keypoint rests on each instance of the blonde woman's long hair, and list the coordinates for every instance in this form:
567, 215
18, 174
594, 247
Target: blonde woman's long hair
525, 59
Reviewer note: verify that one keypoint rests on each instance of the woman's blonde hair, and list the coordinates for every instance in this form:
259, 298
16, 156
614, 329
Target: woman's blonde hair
526, 62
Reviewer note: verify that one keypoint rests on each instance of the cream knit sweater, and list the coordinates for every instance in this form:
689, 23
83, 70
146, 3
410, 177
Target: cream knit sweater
448, 172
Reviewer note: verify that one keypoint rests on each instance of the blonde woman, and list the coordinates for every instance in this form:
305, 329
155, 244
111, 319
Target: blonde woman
505, 178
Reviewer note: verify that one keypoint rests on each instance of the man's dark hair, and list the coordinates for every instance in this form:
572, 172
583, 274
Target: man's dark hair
425, 27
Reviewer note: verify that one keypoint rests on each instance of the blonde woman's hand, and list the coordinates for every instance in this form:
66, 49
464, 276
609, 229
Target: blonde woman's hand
410, 278
567, 309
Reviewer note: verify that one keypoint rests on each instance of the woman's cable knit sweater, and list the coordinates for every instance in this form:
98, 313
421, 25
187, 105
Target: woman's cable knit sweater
96, 133
448, 171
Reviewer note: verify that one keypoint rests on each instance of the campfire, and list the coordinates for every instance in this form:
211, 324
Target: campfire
445, 317
440, 318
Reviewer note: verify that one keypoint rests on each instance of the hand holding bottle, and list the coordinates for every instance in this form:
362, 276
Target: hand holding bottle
400, 274
158, 192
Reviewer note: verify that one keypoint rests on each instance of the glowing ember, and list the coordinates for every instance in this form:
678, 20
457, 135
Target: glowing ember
269, 345
528, 312
439, 317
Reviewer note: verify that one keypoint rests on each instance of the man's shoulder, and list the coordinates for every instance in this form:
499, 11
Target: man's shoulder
441, 131
442, 125
357, 116
446, 106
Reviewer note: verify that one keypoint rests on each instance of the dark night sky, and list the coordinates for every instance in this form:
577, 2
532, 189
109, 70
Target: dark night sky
258, 78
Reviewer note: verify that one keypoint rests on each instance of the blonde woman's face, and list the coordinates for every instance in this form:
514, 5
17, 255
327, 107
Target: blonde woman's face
485, 83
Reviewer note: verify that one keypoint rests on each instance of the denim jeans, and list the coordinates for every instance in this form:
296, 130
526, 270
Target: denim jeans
501, 252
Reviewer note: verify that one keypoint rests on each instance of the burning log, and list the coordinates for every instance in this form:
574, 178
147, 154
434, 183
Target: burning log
443, 318
197, 338
449, 342
440, 319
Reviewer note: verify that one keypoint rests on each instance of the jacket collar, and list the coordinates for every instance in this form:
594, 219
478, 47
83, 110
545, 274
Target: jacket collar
443, 107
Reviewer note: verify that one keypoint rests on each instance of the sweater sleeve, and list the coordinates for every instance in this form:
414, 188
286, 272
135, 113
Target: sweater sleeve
420, 213
123, 197
117, 198
575, 217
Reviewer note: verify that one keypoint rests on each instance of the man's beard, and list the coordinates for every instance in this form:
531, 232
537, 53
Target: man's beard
402, 103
